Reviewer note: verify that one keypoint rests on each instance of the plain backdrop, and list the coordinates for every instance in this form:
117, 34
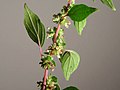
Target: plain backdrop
99, 47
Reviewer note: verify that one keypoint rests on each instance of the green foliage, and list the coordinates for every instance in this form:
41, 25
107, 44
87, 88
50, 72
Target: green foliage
47, 62
52, 83
70, 61
109, 3
71, 88
57, 87
34, 27
80, 26
56, 48
61, 17
80, 12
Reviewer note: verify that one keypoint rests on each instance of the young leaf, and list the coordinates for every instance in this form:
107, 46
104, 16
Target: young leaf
71, 88
57, 87
109, 3
34, 27
54, 79
80, 12
80, 25
70, 61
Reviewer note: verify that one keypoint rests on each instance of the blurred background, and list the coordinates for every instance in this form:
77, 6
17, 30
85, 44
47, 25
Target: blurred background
99, 47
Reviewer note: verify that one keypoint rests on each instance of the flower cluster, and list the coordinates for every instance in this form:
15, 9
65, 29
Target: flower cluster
47, 62
58, 47
51, 83
61, 17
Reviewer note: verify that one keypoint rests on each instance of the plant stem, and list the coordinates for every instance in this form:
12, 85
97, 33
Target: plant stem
45, 72
69, 1
54, 41
40, 50
56, 33
58, 27
45, 78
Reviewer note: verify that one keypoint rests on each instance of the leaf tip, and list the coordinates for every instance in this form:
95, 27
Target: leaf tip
80, 33
67, 78
114, 9
95, 9
25, 5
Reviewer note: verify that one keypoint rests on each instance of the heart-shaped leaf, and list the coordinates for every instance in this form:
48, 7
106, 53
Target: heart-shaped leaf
80, 12
70, 61
109, 3
80, 26
34, 27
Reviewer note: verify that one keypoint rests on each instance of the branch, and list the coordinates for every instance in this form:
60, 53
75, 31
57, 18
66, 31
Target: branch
56, 33
54, 41
45, 78
58, 27
46, 70
40, 50
69, 2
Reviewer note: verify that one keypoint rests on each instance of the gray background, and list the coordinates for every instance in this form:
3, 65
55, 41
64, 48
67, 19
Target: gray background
99, 47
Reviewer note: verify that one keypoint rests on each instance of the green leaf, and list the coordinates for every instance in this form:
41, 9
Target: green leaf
54, 79
70, 61
34, 27
80, 25
53, 62
109, 3
57, 87
71, 88
80, 12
